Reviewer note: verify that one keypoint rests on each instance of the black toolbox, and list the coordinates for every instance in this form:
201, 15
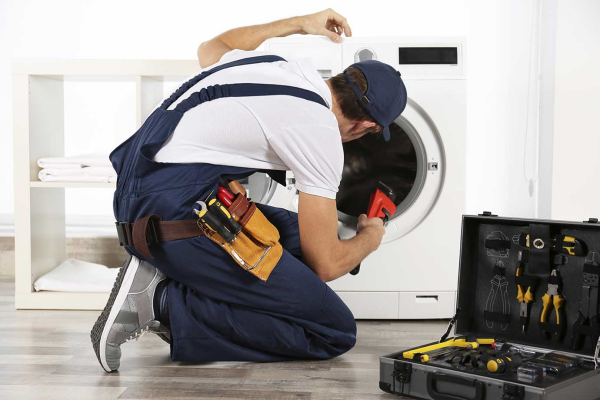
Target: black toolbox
546, 360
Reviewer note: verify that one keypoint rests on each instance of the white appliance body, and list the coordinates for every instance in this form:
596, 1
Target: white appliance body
413, 274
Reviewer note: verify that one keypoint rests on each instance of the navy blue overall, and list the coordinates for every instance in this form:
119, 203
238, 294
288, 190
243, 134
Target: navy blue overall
218, 311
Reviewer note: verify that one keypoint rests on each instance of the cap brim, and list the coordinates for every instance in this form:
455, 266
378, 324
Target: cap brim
386, 133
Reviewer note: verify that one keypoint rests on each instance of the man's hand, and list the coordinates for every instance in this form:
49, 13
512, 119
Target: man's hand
373, 227
322, 251
327, 23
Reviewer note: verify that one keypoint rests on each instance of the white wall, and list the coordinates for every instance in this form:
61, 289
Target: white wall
498, 72
498, 45
576, 178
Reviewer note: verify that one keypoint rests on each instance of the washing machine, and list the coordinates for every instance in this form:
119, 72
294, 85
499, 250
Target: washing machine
413, 274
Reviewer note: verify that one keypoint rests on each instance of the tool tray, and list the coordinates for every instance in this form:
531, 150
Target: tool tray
490, 246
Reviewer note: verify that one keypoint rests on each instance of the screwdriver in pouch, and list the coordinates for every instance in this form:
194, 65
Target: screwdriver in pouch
218, 209
212, 222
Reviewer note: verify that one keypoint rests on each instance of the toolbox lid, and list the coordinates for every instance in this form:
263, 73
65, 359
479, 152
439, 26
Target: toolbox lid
487, 287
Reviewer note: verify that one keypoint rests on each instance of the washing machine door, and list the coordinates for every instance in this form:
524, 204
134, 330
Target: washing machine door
259, 187
411, 164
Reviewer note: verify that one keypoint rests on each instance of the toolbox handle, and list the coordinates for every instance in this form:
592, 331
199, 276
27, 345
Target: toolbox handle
434, 377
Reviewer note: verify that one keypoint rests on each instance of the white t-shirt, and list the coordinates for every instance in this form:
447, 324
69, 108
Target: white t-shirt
264, 132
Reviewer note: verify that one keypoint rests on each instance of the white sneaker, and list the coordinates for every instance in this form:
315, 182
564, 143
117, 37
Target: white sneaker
129, 312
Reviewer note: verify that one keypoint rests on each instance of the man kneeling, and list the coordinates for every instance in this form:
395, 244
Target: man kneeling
250, 111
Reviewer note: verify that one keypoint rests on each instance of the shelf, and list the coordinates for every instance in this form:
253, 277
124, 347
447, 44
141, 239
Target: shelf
38, 89
40, 184
61, 300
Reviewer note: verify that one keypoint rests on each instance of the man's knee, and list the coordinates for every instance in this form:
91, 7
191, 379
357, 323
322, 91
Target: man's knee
339, 314
349, 331
346, 337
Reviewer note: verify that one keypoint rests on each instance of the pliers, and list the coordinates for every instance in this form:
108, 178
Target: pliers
553, 297
524, 297
587, 321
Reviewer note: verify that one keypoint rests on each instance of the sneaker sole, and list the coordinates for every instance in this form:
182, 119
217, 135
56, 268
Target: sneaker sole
117, 297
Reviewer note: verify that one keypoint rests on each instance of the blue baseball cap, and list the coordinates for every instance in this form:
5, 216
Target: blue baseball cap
385, 98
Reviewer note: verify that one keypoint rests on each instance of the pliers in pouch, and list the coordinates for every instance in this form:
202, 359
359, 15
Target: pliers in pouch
553, 298
525, 297
587, 323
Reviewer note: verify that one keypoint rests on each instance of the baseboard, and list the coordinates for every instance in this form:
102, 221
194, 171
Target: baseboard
76, 225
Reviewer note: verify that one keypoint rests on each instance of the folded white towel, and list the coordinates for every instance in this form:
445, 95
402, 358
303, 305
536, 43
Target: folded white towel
88, 160
78, 178
75, 275
59, 172
95, 171
60, 166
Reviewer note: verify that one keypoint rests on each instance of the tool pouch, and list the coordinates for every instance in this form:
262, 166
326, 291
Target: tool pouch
256, 248
539, 248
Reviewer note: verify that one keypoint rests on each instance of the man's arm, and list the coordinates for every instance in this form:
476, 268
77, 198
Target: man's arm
322, 251
327, 23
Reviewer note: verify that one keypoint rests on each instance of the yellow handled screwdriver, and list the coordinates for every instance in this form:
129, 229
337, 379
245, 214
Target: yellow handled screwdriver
218, 209
504, 363
212, 222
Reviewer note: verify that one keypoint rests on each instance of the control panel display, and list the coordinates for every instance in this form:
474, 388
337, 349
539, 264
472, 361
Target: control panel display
428, 55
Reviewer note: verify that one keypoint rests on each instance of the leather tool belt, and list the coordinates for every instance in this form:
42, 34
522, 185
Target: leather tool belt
256, 247
152, 229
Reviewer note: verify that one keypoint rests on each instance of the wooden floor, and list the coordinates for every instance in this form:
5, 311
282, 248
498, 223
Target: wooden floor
48, 355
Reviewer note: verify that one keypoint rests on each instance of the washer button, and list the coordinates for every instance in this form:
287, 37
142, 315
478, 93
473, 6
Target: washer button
365, 54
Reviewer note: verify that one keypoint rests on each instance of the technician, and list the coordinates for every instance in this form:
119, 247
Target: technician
247, 111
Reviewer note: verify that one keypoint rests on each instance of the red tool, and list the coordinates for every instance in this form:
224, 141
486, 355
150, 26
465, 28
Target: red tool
226, 193
225, 196
224, 199
381, 205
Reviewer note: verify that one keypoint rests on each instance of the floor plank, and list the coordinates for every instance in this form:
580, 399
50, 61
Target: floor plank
48, 355
18, 392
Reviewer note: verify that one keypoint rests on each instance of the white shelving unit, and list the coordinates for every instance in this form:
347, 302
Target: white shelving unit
38, 115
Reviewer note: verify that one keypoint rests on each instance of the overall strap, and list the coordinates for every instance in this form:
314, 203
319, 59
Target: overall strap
247, 90
187, 85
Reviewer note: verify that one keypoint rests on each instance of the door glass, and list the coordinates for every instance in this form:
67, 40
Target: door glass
369, 160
